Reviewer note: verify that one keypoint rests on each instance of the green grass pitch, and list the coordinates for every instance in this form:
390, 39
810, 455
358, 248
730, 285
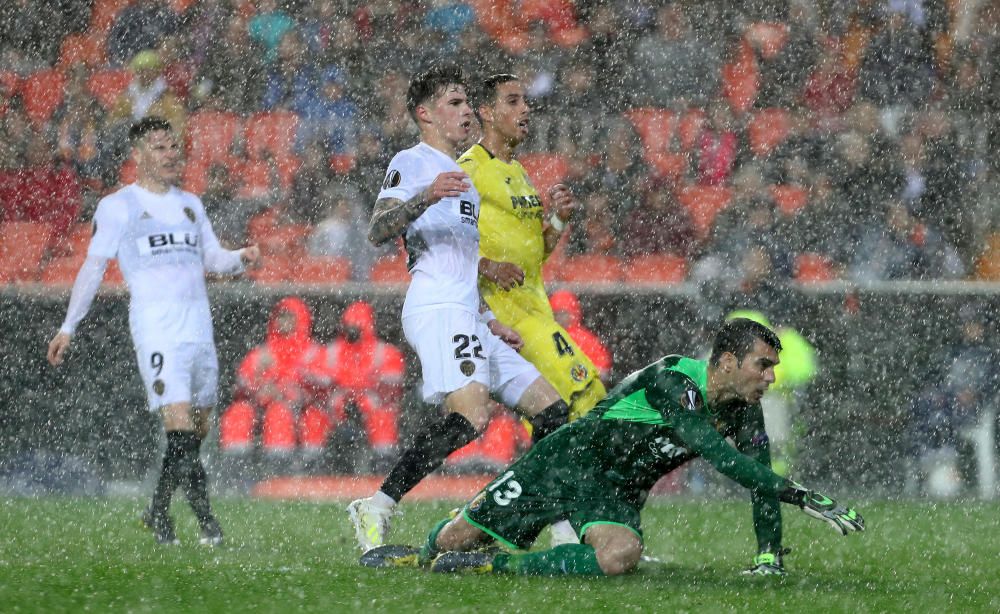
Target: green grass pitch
73, 555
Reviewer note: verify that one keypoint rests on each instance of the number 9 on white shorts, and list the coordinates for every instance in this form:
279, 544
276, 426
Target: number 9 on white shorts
180, 373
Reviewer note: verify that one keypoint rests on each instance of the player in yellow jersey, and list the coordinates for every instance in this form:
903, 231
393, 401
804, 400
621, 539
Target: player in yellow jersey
515, 238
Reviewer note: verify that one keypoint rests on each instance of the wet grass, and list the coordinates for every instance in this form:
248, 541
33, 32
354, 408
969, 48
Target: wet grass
61, 555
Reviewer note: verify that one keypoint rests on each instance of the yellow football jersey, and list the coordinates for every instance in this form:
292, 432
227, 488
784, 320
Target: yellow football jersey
510, 230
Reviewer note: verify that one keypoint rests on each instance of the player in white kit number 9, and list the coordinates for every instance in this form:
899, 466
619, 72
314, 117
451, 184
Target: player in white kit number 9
164, 245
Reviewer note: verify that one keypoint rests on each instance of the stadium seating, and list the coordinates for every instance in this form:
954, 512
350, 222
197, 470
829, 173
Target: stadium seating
74, 243
103, 13
656, 269
545, 170
62, 271
988, 263
508, 22
312, 270
211, 135
740, 79
655, 128
770, 37
390, 270
689, 128
811, 268
768, 128
43, 93
22, 246
113, 275
85, 49
666, 137
10, 82
285, 239
274, 269
180, 6
257, 176
342, 164
271, 131
703, 204
107, 85
592, 268
789, 198
127, 173
550, 269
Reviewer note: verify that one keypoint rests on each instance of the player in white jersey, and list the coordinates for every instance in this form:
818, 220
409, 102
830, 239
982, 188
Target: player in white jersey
465, 355
164, 244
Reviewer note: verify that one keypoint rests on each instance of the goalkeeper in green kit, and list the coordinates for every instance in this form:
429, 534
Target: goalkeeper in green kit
597, 472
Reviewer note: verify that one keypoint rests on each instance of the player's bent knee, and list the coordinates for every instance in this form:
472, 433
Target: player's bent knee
615, 562
618, 549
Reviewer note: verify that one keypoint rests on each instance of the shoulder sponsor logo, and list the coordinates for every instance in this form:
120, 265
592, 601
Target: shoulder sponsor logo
392, 179
189, 212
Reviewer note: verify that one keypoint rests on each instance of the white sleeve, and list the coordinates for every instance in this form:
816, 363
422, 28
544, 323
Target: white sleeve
216, 258
110, 220
405, 177
88, 280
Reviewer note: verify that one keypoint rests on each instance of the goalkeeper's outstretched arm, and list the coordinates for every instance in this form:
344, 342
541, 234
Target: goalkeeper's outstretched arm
702, 439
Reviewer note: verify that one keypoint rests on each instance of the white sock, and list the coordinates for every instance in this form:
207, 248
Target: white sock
383, 500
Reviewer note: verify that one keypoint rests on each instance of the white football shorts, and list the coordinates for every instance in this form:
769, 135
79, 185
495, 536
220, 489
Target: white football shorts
179, 373
456, 349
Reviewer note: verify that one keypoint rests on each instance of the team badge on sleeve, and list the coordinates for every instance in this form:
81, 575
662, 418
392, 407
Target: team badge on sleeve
477, 502
189, 213
691, 400
392, 179
159, 387
578, 373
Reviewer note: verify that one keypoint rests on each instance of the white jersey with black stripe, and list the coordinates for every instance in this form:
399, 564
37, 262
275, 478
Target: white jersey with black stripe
443, 243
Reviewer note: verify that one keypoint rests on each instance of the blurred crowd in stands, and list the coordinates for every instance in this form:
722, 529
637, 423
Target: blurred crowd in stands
706, 140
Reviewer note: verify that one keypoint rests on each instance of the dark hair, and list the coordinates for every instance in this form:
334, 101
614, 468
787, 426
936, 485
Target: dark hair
486, 93
425, 85
146, 125
737, 337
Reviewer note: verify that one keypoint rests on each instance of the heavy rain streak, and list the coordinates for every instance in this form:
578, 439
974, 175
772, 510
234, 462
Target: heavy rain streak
470, 305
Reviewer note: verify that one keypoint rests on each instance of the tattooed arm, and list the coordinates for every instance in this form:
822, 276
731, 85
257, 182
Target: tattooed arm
392, 215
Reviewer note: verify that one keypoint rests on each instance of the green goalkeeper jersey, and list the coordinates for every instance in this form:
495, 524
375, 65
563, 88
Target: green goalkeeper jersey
655, 420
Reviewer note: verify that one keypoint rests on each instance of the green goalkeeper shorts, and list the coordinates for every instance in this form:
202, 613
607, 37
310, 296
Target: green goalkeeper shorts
516, 506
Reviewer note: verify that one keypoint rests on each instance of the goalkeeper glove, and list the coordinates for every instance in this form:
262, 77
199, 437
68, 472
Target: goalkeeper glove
768, 564
843, 519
